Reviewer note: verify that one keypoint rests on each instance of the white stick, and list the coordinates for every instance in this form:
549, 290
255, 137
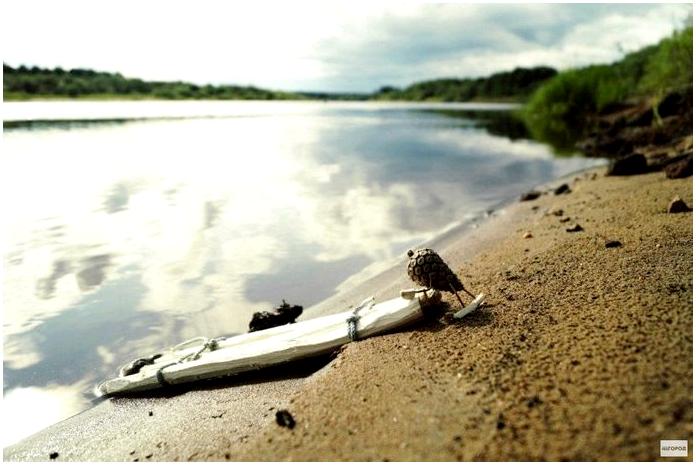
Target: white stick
476, 303
271, 346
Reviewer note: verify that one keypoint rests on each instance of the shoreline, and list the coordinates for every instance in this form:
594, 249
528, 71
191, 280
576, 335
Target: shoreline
429, 368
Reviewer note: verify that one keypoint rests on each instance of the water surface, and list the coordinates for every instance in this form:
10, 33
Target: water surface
131, 226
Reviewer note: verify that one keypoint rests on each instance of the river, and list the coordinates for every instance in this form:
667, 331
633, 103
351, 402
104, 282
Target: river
131, 226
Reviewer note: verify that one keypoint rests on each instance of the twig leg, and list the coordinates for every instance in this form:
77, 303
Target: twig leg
458, 298
470, 294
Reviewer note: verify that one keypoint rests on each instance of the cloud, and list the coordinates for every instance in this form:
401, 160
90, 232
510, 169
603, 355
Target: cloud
329, 47
476, 40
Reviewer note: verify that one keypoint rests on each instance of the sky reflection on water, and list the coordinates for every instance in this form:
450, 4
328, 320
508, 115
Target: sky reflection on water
124, 238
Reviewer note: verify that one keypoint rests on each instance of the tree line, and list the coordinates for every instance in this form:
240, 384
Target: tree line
25, 82
33, 82
509, 85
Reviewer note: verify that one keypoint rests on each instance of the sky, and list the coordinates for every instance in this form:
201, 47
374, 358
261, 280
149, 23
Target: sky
327, 46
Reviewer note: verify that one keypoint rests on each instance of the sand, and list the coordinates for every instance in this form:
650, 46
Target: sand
584, 352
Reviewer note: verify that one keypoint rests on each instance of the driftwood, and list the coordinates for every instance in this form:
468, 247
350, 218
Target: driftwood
203, 358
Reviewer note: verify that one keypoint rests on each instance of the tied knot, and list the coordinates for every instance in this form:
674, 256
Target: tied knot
353, 327
355, 317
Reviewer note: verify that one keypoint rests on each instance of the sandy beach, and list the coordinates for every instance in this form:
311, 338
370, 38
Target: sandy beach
583, 352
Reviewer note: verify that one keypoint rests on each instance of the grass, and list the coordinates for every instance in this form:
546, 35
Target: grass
562, 108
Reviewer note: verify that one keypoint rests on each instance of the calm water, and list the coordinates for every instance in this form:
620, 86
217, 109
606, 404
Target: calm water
130, 234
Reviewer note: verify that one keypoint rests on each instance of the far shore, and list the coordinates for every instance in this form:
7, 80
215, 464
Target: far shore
582, 353
14, 97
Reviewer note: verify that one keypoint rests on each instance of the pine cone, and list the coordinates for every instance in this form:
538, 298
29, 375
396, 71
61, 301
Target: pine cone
426, 268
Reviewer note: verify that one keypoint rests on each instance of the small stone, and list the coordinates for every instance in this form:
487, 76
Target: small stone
575, 228
680, 169
531, 195
150, 413
556, 212
53, 455
565, 219
527, 235
677, 205
562, 189
626, 166
611, 244
285, 419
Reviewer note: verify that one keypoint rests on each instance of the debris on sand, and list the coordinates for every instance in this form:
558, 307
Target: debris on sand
527, 235
626, 166
575, 228
610, 244
285, 419
562, 189
677, 205
531, 195
53, 455
283, 315
555, 212
565, 219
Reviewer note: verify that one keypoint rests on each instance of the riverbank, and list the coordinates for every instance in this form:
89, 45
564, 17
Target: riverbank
584, 352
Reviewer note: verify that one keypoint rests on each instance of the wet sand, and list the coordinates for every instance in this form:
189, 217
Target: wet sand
584, 352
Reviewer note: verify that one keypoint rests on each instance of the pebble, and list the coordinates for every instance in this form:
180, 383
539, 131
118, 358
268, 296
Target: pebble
626, 166
531, 195
556, 212
562, 189
611, 244
53, 455
285, 419
575, 228
565, 219
527, 235
677, 205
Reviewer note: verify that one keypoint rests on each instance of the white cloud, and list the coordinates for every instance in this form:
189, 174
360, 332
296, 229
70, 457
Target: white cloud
323, 46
